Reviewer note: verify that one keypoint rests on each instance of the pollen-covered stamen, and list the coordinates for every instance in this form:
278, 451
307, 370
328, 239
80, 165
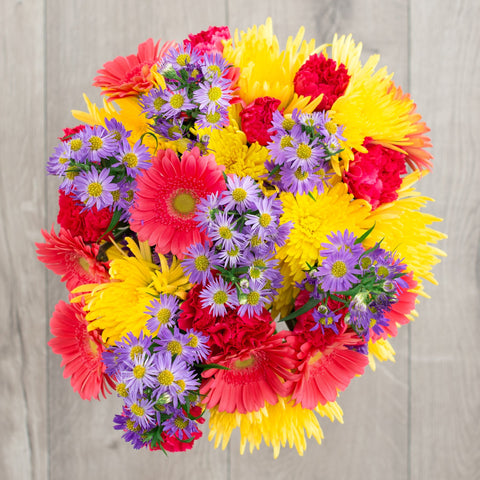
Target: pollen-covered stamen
214, 94
180, 423
95, 189
137, 410
184, 59
76, 144
136, 350
213, 117
158, 103
164, 315
339, 269
220, 297
265, 220
225, 233
122, 390
286, 141
96, 143
165, 377
253, 298
193, 342
288, 124
202, 263
304, 151
331, 127
177, 100
130, 159
300, 174
174, 347
139, 371
239, 194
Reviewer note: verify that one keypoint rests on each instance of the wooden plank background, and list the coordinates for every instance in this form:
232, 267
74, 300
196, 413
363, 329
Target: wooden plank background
416, 419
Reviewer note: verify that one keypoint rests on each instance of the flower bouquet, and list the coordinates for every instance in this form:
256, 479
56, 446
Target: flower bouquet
239, 234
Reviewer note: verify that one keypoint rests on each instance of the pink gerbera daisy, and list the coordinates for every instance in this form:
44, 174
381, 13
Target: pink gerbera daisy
68, 256
167, 196
131, 76
81, 351
325, 371
253, 377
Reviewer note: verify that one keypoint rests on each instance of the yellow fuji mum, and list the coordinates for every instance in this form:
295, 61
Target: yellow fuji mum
265, 70
118, 307
276, 425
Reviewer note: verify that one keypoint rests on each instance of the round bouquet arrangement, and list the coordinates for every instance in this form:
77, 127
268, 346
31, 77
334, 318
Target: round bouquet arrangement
239, 233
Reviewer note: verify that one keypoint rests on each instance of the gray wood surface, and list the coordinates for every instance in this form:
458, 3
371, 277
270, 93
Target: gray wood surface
415, 419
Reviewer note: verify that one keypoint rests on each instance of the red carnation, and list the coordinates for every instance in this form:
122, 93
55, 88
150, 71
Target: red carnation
257, 119
321, 75
209, 41
375, 176
69, 132
90, 224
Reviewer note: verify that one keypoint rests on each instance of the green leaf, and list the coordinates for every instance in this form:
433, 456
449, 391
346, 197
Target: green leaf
313, 302
365, 235
208, 366
115, 218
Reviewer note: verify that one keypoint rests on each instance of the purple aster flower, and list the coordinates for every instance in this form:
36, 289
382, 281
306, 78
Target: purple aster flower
214, 66
78, 147
216, 118
230, 258
59, 162
218, 295
123, 197
175, 343
176, 102
305, 153
338, 272
152, 102
342, 242
325, 318
139, 373
100, 143
163, 312
180, 425
142, 411
133, 158
266, 221
198, 262
359, 314
223, 232
131, 346
281, 141
207, 210
111, 360
253, 298
132, 431
300, 181
171, 129
213, 95
241, 193
169, 372
180, 57
199, 342
188, 383
93, 188
116, 129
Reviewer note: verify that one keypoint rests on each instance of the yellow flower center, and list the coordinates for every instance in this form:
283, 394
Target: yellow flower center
286, 141
96, 143
239, 194
136, 350
174, 347
158, 103
115, 195
215, 69
244, 363
253, 298
116, 135
339, 269
255, 272
63, 160
382, 271
220, 297
214, 94
137, 410
174, 130
164, 315
165, 377
177, 100
139, 371
331, 127
95, 189
76, 144
193, 342
255, 241
130, 424
71, 174
184, 203
201, 263
130, 159
288, 124
259, 262
225, 233
300, 174
365, 262
213, 117
181, 384
180, 423
233, 252
122, 390
183, 59
265, 220
304, 151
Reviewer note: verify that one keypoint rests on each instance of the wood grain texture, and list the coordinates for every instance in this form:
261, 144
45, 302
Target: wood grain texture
415, 419
23, 413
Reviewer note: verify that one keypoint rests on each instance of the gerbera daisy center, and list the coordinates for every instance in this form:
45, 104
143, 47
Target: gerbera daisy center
184, 203
244, 363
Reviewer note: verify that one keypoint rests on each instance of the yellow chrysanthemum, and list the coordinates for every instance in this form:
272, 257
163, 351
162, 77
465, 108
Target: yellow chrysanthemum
404, 230
373, 107
265, 70
315, 216
118, 307
276, 425
229, 145
381, 350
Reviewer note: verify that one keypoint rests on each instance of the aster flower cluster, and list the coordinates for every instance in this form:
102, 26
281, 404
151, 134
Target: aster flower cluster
300, 150
156, 378
99, 167
364, 283
196, 94
238, 268
223, 166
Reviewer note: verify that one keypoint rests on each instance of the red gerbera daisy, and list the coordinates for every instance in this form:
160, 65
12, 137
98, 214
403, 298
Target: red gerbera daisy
68, 256
166, 199
131, 76
81, 351
324, 371
253, 376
